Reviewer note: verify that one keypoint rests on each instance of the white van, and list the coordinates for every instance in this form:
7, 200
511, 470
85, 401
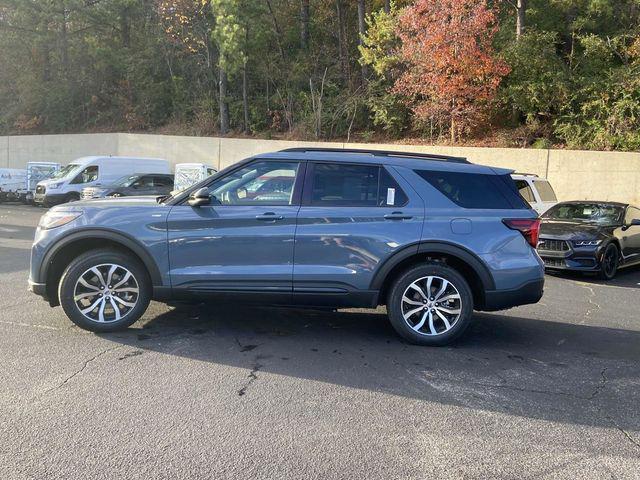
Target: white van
67, 183
535, 190
187, 174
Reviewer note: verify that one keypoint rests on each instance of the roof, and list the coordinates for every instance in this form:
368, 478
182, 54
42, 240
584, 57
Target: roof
384, 157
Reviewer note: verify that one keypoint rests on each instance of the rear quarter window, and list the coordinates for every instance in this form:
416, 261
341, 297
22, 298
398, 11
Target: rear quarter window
473, 190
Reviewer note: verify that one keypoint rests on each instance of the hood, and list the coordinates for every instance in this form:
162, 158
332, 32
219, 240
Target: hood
109, 202
574, 230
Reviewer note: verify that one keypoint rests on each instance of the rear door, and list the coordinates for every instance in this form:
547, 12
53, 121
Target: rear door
353, 217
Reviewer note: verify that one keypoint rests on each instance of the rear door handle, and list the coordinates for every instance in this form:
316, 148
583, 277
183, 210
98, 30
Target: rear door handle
397, 216
269, 217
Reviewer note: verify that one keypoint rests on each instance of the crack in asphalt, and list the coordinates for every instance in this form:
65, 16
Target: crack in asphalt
252, 378
590, 300
626, 434
81, 369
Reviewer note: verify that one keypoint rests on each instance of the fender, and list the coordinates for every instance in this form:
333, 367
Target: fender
105, 234
434, 247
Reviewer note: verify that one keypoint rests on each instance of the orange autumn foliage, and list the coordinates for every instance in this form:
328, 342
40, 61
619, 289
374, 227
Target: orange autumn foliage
452, 73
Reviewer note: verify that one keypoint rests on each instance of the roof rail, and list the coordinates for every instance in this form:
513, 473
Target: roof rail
527, 174
380, 153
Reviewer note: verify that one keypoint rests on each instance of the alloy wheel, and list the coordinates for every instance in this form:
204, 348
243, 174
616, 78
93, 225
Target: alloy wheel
431, 305
106, 293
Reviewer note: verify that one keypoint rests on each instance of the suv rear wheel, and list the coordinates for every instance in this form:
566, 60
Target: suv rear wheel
104, 290
430, 304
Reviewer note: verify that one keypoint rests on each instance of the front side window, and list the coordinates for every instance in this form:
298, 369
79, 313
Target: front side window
143, 182
632, 214
89, 174
260, 183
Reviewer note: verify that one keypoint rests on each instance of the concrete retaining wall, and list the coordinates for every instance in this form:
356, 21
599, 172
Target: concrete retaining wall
573, 174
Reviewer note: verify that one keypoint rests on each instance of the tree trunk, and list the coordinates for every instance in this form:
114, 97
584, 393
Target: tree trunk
245, 99
361, 33
342, 43
224, 107
125, 26
521, 6
387, 6
65, 41
304, 24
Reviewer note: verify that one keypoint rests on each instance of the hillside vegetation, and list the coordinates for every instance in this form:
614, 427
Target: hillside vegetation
527, 73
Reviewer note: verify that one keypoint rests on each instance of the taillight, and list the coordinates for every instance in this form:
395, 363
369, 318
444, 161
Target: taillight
528, 227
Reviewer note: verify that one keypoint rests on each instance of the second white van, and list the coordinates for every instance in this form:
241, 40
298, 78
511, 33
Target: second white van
67, 183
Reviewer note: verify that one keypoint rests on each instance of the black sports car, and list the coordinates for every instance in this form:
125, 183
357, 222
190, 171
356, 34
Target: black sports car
136, 184
590, 237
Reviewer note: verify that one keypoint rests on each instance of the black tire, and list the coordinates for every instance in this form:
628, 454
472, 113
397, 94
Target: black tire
395, 304
609, 262
93, 258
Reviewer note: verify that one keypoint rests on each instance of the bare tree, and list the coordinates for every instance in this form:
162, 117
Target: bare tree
361, 32
224, 106
304, 24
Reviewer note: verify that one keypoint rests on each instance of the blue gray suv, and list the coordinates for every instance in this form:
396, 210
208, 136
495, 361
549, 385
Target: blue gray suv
431, 237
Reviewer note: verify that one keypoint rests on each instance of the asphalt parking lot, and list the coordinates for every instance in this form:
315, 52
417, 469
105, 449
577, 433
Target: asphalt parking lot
204, 391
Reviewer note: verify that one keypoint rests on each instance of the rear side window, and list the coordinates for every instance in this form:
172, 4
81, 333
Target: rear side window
354, 185
525, 190
545, 191
473, 190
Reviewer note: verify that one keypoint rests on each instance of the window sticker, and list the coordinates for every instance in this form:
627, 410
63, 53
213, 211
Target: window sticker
391, 196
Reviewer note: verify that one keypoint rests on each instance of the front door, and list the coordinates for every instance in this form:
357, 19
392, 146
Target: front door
631, 236
243, 241
353, 218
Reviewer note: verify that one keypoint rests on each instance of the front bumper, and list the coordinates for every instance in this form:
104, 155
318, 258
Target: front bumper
527, 293
49, 199
577, 259
38, 288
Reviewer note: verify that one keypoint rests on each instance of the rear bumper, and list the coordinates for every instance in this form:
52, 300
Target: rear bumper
530, 292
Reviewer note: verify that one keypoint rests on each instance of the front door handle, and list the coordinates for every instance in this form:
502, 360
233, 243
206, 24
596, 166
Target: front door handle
269, 217
397, 216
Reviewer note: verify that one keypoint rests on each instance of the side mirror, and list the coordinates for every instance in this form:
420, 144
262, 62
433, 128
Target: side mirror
200, 197
634, 223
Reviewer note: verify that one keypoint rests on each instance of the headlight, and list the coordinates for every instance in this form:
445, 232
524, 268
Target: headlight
53, 186
587, 243
57, 219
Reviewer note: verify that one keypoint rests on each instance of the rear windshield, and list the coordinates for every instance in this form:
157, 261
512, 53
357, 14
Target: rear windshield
473, 190
545, 191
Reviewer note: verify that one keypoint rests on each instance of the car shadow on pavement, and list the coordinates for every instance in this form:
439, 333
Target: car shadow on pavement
628, 277
520, 366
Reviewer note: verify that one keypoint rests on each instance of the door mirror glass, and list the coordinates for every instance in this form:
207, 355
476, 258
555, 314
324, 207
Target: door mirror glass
200, 197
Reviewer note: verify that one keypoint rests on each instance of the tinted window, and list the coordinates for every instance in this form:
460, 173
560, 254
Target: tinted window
390, 194
473, 190
343, 185
163, 182
545, 191
259, 183
143, 182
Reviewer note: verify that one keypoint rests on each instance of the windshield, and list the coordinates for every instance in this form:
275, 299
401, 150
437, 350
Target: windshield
586, 212
126, 181
64, 171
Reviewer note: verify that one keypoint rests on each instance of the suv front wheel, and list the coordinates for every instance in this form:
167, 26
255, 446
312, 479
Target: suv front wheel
104, 290
430, 304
